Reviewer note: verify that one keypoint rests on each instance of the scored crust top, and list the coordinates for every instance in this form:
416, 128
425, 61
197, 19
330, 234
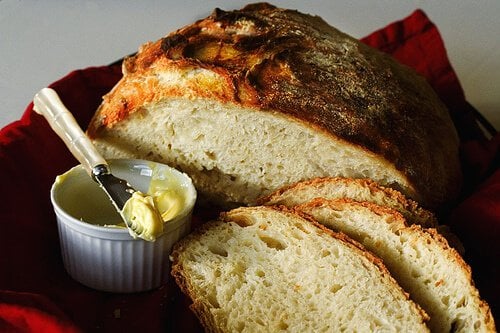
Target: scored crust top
274, 59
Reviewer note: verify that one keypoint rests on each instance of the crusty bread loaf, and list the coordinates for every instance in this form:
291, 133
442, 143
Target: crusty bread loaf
355, 189
420, 259
250, 100
264, 269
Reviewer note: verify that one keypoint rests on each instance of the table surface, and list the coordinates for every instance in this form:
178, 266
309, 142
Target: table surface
41, 41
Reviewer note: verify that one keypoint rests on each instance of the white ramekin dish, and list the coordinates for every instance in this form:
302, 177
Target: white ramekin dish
107, 258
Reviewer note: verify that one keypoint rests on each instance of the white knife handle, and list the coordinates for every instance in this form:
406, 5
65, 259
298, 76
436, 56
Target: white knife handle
47, 103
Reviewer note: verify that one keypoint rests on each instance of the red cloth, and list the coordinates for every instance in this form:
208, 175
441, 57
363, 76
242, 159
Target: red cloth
37, 295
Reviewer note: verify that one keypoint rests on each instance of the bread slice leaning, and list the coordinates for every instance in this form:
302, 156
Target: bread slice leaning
353, 188
420, 259
265, 269
363, 190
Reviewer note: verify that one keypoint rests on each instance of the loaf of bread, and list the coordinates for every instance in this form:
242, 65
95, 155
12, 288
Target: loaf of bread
265, 269
420, 260
250, 100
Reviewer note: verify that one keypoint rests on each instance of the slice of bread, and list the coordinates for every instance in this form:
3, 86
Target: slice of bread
355, 189
362, 190
250, 100
266, 269
420, 259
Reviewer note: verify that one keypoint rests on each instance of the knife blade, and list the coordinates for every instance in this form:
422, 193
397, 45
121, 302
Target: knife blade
118, 190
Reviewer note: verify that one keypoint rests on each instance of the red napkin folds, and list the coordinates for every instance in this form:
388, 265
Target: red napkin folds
36, 294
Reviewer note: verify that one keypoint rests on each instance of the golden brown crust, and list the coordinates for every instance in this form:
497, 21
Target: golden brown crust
279, 60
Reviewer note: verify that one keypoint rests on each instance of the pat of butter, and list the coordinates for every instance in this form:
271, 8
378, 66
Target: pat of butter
148, 212
144, 217
169, 203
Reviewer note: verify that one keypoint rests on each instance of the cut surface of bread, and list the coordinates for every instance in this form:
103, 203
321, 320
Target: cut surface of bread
258, 152
247, 101
356, 189
265, 269
434, 274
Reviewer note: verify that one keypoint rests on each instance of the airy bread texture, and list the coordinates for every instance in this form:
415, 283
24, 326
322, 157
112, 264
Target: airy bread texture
434, 274
250, 100
265, 269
